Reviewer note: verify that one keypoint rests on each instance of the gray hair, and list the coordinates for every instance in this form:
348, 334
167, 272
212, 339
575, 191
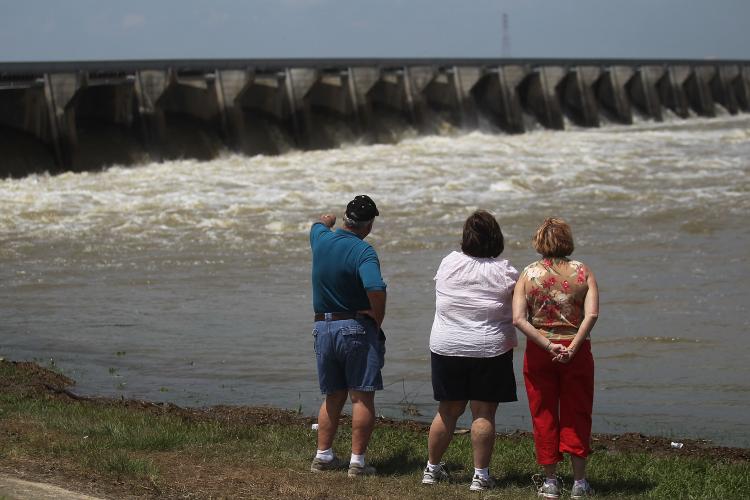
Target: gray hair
356, 224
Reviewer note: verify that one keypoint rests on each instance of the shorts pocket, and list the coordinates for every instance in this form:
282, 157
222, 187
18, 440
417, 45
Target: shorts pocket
355, 329
354, 340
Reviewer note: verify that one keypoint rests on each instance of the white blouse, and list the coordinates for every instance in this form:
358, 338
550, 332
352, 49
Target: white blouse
473, 315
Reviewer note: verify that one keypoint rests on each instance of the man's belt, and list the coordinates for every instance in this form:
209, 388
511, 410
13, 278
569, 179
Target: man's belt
337, 316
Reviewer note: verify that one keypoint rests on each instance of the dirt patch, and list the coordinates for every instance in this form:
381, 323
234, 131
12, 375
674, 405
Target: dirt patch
660, 446
27, 377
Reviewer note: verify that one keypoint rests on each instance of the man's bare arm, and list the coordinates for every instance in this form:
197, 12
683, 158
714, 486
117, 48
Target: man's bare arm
377, 306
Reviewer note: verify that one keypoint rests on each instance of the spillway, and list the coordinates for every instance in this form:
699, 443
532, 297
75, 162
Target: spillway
77, 116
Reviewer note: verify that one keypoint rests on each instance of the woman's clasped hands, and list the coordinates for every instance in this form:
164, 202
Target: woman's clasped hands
561, 353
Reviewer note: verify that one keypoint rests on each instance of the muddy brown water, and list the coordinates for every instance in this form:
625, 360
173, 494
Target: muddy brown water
188, 281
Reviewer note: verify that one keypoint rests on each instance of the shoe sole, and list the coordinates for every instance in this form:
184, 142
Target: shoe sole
433, 481
328, 469
480, 488
316, 471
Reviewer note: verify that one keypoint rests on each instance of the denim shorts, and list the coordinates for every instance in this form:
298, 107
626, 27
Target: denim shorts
350, 354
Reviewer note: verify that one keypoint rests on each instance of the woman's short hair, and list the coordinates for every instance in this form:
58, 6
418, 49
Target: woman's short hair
554, 238
482, 236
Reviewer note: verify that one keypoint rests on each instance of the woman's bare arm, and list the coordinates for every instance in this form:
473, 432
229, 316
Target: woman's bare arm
590, 315
520, 321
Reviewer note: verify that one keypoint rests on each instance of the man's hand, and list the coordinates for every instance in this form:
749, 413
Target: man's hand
329, 220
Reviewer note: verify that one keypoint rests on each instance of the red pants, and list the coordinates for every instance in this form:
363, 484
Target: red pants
561, 397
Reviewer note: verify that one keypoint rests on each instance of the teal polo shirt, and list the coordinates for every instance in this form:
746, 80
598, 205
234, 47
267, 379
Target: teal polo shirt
344, 269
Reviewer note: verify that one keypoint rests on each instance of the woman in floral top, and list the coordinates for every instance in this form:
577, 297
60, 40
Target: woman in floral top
555, 304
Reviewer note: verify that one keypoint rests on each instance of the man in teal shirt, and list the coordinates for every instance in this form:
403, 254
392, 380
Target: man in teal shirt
349, 302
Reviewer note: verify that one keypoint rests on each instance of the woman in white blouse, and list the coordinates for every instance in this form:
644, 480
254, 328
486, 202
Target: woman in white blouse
471, 345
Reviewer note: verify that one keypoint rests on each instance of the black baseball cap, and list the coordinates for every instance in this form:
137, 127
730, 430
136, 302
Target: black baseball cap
361, 208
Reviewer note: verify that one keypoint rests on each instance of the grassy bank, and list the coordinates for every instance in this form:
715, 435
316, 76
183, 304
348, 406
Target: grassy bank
122, 449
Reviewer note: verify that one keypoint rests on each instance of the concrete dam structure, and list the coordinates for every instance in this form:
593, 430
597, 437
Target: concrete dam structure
76, 116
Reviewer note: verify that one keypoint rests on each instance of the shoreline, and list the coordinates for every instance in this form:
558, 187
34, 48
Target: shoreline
60, 450
59, 384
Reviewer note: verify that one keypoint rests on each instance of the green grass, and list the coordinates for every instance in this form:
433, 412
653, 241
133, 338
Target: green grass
113, 427
132, 444
104, 437
120, 463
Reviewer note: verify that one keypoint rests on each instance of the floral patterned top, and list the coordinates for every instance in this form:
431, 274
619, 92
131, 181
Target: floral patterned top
555, 292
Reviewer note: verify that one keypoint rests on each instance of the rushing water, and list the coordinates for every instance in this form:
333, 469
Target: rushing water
188, 281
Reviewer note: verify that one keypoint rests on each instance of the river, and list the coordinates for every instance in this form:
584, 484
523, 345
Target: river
188, 281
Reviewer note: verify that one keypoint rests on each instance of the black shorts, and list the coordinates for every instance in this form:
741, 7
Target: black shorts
456, 378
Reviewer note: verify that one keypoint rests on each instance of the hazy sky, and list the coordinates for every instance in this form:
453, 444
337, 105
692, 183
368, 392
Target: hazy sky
153, 29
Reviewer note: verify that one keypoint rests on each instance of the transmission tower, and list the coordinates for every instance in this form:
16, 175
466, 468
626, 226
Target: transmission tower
506, 35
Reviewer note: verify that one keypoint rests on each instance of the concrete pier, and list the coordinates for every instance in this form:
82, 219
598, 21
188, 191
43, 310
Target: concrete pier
441, 98
643, 91
541, 97
698, 90
672, 90
612, 93
264, 105
742, 87
87, 115
416, 81
498, 98
722, 88
578, 97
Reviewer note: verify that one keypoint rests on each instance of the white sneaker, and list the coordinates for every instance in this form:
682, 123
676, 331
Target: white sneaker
480, 484
435, 475
319, 465
356, 470
580, 491
549, 489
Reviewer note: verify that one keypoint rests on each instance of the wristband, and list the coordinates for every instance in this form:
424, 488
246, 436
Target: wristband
546, 348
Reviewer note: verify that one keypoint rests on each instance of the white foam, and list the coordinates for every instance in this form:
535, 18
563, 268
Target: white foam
637, 170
